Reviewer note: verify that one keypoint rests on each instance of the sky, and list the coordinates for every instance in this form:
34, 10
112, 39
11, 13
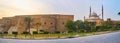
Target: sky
78, 8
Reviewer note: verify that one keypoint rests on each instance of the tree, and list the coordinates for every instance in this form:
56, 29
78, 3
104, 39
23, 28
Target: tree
92, 26
70, 25
93, 29
87, 26
108, 24
117, 26
118, 13
79, 25
28, 20
37, 26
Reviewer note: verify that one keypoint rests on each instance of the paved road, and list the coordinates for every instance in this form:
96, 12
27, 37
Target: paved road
104, 38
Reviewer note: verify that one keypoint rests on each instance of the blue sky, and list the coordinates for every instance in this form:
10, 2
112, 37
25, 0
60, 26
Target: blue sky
78, 8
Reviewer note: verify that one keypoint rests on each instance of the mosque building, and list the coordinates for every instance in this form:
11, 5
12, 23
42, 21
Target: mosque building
94, 17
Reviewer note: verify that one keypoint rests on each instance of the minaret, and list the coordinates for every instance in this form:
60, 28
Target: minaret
84, 18
102, 13
90, 12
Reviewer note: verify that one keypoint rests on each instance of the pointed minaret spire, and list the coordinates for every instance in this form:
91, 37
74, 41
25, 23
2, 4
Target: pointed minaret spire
84, 18
102, 12
90, 12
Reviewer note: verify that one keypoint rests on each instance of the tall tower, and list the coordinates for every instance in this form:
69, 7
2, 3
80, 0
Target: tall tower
90, 12
84, 18
102, 13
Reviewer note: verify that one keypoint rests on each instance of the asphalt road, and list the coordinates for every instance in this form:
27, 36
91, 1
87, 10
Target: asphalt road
113, 37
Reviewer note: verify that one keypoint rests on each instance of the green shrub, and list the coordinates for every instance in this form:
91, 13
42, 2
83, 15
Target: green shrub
81, 31
93, 29
45, 32
57, 32
15, 33
35, 32
25, 33
0, 32
5, 32
70, 31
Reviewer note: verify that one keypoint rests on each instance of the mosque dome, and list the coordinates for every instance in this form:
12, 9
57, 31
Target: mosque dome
94, 14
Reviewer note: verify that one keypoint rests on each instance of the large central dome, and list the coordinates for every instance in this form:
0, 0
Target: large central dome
94, 14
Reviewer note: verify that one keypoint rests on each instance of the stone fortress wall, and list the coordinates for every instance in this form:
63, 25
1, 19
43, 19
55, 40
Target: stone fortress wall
50, 23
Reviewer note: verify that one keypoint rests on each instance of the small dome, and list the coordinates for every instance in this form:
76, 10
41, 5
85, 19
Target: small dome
94, 14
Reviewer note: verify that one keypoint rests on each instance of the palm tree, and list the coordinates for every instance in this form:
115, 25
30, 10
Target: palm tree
109, 21
37, 26
28, 20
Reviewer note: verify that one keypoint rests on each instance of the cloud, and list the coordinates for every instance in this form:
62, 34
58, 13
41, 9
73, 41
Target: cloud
22, 7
